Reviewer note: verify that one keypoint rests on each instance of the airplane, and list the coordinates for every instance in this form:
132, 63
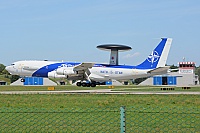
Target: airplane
90, 74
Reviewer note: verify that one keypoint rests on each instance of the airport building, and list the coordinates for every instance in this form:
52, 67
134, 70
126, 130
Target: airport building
34, 81
185, 76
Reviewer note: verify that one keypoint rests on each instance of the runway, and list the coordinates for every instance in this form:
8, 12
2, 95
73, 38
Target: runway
103, 91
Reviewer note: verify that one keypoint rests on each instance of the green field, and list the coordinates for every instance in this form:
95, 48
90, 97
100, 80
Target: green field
94, 100
98, 113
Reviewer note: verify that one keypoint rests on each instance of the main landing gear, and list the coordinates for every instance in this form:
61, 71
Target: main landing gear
86, 84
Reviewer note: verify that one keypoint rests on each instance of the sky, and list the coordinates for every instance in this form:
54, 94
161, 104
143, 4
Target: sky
70, 30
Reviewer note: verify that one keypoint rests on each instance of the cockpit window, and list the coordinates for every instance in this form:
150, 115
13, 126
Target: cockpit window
12, 64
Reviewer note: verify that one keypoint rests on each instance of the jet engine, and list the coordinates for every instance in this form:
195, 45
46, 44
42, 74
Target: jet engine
53, 74
65, 71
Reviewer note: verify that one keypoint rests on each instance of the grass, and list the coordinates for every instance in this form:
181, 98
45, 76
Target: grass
98, 113
3, 78
93, 113
93, 101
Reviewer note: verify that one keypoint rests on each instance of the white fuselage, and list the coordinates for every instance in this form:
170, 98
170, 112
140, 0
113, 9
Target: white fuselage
98, 72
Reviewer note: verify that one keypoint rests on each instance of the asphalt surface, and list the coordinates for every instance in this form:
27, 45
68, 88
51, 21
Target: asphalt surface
102, 91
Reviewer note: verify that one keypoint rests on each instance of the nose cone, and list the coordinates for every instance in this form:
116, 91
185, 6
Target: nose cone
9, 69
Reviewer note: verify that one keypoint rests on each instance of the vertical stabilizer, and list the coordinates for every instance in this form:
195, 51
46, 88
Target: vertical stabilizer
158, 56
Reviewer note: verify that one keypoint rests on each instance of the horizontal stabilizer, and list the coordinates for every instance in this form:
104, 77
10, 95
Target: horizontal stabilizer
173, 70
159, 70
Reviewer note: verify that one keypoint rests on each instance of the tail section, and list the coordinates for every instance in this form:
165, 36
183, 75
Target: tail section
158, 56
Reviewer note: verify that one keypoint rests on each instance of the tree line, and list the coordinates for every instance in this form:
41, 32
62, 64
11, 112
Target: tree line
6, 74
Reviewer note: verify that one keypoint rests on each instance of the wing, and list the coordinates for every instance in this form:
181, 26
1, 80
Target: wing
83, 68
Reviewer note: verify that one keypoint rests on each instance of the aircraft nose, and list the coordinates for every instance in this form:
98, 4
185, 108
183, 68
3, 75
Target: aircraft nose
9, 69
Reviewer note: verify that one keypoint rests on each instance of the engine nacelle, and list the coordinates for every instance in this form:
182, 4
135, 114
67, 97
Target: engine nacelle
53, 74
65, 71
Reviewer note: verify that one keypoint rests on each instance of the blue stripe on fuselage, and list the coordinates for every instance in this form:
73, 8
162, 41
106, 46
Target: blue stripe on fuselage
43, 71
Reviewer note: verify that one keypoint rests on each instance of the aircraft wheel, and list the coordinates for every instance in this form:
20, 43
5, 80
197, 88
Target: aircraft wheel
93, 84
88, 84
84, 84
78, 84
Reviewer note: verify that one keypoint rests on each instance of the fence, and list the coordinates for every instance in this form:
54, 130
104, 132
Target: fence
111, 119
